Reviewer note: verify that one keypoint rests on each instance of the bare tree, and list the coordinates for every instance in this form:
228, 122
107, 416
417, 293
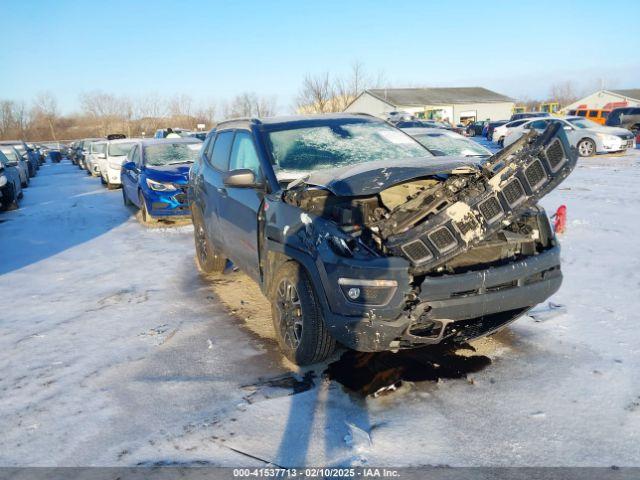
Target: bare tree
563, 92
323, 93
249, 104
45, 108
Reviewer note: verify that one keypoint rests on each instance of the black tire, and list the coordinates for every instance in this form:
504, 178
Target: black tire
102, 180
144, 214
13, 204
112, 186
297, 317
586, 147
208, 260
125, 199
501, 142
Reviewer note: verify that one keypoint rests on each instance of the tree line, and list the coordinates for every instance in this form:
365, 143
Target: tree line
101, 113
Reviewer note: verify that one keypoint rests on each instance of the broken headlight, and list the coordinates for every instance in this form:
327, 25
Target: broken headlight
160, 186
368, 292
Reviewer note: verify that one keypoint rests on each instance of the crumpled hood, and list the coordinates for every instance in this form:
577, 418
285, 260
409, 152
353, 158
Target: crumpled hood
178, 173
369, 178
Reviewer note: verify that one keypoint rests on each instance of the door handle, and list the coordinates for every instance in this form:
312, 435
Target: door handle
222, 191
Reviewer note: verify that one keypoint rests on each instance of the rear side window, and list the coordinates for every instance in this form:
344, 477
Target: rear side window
604, 114
593, 113
219, 158
243, 154
582, 113
538, 125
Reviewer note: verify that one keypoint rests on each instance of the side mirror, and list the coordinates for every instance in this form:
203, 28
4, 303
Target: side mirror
240, 178
129, 166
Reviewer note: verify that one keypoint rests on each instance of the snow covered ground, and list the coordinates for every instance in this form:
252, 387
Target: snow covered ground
114, 351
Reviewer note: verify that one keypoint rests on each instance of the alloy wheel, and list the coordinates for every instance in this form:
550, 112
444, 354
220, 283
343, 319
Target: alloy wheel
201, 238
289, 313
585, 148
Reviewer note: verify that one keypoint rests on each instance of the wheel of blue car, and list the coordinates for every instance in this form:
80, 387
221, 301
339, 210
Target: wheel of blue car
125, 199
208, 260
297, 317
144, 213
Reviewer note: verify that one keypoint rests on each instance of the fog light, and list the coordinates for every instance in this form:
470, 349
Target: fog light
353, 293
368, 292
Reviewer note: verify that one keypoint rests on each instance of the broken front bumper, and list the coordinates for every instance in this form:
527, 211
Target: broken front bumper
456, 307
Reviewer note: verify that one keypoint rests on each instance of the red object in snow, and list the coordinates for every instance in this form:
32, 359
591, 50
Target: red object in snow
561, 219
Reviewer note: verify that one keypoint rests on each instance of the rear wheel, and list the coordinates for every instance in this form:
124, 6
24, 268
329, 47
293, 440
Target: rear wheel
297, 317
207, 259
586, 147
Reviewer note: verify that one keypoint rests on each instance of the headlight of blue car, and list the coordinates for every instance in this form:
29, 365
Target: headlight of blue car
160, 186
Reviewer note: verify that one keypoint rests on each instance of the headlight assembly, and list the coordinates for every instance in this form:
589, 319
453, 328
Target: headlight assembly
160, 186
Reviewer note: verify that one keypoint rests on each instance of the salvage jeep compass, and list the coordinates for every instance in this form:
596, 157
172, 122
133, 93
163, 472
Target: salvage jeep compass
358, 234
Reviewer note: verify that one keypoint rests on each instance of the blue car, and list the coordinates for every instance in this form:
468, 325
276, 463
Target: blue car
155, 176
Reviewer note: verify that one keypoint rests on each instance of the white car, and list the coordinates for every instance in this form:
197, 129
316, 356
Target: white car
95, 151
111, 163
586, 136
398, 116
500, 132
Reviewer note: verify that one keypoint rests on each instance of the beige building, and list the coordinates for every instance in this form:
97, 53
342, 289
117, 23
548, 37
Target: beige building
458, 105
607, 100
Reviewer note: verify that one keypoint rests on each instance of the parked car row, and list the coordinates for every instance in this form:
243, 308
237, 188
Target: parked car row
153, 173
19, 162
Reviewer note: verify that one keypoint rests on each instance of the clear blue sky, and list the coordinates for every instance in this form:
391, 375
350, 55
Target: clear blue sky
215, 50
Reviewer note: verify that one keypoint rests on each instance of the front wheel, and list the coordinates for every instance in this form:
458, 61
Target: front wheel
208, 260
586, 147
297, 317
144, 213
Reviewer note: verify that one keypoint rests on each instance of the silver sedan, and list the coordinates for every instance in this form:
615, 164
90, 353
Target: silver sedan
586, 136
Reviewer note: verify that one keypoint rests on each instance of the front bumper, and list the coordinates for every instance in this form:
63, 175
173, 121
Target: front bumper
112, 176
167, 204
461, 307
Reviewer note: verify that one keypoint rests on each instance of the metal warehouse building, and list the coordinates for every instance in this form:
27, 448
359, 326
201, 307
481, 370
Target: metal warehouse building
458, 105
607, 100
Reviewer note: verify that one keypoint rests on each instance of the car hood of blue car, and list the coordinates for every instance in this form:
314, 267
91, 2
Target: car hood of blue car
178, 173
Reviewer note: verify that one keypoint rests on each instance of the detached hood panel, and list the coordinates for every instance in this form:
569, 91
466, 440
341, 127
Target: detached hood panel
372, 177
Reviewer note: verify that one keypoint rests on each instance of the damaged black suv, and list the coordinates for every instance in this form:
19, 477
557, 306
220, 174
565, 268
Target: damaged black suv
357, 234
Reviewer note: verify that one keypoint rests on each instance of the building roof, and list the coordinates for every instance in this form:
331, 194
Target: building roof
631, 93
437, 96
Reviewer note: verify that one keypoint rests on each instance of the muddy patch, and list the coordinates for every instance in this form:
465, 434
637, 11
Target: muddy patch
380, 373
243, 298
